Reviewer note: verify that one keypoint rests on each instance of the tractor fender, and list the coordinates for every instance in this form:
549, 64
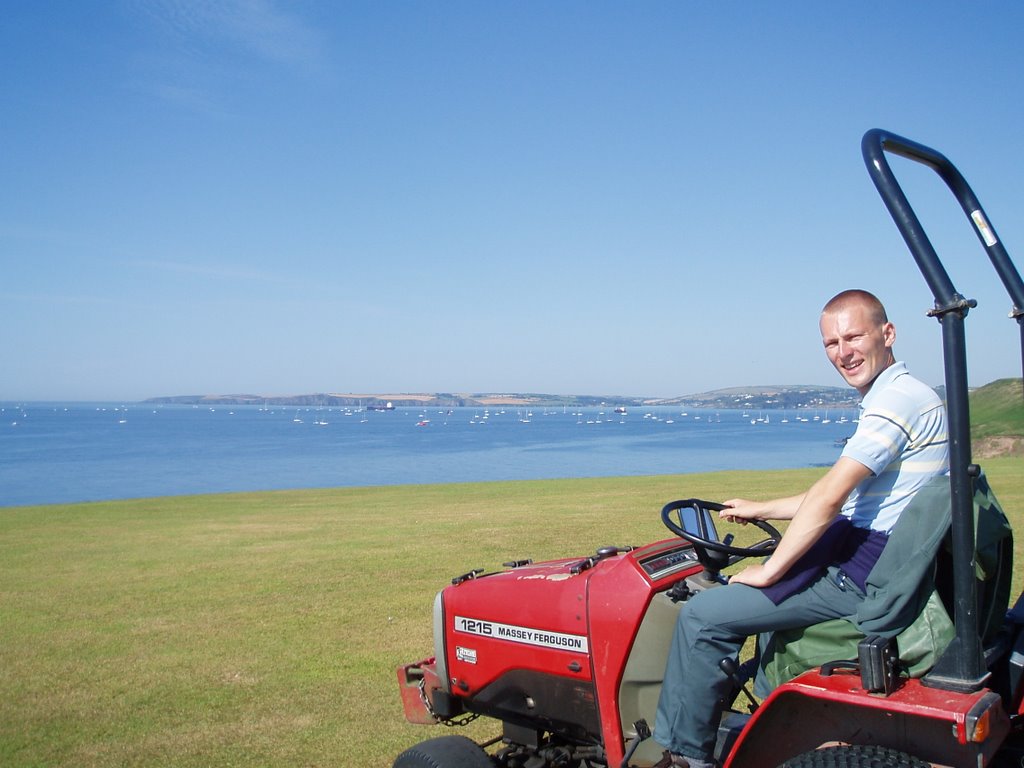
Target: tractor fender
963, 730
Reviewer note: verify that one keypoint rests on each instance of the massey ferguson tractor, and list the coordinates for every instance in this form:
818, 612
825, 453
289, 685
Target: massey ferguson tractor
568, 656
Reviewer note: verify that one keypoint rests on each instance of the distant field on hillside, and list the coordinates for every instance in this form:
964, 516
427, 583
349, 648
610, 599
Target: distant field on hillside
998, 409
997, 419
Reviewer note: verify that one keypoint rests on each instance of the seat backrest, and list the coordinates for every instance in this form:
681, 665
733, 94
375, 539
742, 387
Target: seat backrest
900, 595
993, 556
902, 579
921, 640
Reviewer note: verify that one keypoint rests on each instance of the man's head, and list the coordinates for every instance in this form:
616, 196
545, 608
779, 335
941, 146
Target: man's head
858, 337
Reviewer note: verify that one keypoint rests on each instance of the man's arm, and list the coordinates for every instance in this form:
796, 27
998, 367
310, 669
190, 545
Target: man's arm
742, 510
816, 511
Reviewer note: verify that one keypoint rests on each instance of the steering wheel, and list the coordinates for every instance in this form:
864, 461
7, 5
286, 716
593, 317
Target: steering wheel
724, 553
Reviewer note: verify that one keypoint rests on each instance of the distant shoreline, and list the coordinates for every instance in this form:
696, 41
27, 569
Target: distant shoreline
753, 397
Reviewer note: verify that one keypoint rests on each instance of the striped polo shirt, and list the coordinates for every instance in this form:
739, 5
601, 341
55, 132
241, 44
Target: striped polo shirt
902, 438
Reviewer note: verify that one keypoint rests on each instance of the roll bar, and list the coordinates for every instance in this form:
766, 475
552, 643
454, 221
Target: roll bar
962, 666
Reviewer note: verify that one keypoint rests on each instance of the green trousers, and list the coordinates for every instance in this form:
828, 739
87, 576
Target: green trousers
713, 625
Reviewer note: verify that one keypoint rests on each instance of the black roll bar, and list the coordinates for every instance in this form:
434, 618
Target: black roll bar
962, 665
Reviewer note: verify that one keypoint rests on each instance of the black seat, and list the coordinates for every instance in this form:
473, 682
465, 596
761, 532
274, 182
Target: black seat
792, 652
994, 558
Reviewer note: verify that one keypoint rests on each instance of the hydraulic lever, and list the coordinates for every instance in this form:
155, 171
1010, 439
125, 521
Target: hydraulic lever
728, 665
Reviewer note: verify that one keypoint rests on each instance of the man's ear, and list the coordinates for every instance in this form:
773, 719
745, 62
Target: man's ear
889, 334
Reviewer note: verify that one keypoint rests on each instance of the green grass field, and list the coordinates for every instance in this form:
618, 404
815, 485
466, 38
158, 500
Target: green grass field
264, 629
996, 409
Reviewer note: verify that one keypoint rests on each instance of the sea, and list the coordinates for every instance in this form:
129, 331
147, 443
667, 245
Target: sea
55, 453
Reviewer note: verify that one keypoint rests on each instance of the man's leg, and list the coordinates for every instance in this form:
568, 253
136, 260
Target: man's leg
714, 625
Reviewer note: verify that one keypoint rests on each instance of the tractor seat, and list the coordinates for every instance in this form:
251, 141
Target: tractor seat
909, 592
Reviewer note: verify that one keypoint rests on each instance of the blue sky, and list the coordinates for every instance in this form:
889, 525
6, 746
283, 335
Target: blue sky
606, 198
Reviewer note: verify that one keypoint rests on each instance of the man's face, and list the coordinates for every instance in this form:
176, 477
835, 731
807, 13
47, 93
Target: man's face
857, 345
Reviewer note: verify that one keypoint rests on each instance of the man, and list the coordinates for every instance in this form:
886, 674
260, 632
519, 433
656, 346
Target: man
837, 529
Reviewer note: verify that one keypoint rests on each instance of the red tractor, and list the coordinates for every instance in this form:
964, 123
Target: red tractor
569, 655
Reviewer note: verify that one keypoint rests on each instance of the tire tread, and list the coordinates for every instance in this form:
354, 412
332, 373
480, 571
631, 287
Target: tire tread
855, 756
444, 752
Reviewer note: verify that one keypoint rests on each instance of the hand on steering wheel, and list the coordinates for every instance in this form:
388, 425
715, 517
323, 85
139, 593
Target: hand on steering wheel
704, 539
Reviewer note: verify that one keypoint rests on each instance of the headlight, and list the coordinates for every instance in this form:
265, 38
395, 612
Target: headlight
440, 657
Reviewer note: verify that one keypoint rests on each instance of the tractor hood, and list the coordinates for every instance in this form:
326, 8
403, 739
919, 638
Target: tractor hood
531, 643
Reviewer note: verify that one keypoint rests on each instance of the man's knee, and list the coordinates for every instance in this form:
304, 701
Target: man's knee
731, 610
706, 608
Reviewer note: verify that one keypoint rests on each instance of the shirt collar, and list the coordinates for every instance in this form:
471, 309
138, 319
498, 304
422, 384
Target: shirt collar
885, 378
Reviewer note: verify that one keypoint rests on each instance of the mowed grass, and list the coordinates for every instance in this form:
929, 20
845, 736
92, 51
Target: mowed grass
264, 629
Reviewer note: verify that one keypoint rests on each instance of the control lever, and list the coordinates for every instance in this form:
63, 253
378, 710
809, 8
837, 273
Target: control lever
728, 665
643, 732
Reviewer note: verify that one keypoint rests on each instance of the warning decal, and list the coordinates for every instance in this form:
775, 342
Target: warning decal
526, 635
984, 228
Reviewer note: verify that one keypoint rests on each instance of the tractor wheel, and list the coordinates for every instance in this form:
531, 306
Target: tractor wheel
855, 756
444, 752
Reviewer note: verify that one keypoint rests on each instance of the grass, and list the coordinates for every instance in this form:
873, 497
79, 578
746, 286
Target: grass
996, 410
264, 629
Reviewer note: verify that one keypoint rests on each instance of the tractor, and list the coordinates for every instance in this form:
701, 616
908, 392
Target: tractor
568, 655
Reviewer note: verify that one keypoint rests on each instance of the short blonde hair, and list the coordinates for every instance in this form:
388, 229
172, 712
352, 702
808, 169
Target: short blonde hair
856, 296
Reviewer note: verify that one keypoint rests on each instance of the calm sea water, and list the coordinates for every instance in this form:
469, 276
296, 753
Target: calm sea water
56, 453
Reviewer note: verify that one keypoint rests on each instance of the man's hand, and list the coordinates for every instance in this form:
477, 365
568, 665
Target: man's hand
756, 575
815, 512
741, 511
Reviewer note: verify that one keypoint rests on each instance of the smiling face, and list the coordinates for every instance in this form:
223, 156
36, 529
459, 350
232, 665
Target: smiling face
858, 342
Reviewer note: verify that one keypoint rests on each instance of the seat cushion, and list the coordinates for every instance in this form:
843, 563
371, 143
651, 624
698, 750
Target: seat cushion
789, 653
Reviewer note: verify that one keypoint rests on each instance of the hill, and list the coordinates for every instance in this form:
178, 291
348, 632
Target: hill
760, 397
997, 419
787, 396
398, 400
996, 408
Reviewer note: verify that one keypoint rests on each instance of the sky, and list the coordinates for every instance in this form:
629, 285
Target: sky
641, 199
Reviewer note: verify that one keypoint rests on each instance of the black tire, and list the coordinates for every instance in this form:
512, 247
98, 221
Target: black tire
855, 756
444, 752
